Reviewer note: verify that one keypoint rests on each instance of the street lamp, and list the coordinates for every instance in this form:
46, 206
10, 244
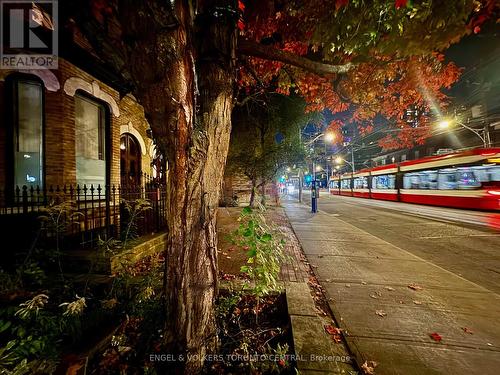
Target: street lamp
329, 136
340, 160
445, 123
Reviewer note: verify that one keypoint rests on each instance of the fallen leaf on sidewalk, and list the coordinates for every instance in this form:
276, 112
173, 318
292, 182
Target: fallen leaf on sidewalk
417, 302
369, 367
467, 330
332, 330
415, 287
389, 288
334, 333
376, 294
381, 313
435, 336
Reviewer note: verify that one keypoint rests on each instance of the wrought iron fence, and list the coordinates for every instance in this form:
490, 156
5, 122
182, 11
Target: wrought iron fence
79, 215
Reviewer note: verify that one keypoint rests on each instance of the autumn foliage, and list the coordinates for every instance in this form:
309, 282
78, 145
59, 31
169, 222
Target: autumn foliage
398, 69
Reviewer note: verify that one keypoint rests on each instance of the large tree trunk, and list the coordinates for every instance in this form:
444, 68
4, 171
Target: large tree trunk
189, 107
252, 192
263, 193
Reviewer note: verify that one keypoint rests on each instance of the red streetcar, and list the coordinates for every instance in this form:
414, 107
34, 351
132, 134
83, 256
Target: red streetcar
469, 179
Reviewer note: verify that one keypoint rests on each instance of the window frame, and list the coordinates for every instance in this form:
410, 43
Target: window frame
12, 124
106, 133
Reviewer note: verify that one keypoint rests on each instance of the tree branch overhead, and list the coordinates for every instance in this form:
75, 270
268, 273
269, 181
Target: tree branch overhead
254, 49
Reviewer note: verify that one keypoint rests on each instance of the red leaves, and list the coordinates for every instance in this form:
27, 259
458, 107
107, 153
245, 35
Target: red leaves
341, 3
241, 6
334, 333
100, 9
241, 24
435, 336
401, 3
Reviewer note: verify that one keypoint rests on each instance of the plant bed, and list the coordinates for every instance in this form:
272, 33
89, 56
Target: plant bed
255, 336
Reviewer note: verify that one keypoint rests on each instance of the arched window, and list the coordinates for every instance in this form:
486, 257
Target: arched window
90, 141
26, 130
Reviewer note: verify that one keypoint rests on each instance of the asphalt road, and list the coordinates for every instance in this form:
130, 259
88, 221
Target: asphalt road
460, 241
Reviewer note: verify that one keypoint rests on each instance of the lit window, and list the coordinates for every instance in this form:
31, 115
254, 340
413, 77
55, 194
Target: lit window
90, 150
27, 132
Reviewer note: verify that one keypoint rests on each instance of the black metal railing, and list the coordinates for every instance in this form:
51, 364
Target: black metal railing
78, 216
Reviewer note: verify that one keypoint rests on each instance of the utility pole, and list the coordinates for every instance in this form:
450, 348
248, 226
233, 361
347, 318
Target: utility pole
352, 158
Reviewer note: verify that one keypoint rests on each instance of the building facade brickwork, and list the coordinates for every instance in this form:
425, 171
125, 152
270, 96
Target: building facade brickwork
124, 115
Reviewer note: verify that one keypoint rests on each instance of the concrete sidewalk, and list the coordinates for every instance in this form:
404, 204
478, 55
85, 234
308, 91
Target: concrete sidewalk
385, 320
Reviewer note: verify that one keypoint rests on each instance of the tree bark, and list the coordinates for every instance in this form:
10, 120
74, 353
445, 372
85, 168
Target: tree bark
252, 193
195, 180
249, 48
263, 194
184, 80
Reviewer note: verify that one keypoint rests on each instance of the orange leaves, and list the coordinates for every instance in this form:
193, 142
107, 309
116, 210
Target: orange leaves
334, 333
319, 94
241, 6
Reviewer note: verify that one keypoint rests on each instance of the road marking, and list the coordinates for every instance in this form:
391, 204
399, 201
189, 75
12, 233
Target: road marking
461, 235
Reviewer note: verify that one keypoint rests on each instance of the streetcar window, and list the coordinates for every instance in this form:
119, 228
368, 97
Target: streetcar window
361, 183
334, 184
345, 184
447, 179
451, 178
384, 182
467, 179
494, 173
420, 180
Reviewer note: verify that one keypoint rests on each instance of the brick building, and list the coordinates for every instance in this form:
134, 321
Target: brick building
73, 134
65, 127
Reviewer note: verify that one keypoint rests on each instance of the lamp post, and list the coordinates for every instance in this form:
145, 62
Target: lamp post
340, 160
484, 137
328, 137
